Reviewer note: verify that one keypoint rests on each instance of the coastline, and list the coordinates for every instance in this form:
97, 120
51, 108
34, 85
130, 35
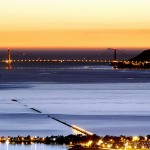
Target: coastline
86, 142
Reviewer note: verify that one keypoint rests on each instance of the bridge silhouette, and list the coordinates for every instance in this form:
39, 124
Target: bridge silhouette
114, 61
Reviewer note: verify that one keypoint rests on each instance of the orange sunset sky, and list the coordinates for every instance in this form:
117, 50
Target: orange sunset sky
75, 23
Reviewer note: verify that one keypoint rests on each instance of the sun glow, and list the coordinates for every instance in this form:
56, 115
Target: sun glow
79, 23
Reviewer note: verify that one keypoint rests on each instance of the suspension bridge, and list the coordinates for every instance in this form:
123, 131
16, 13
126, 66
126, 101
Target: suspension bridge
10, 59
114, 61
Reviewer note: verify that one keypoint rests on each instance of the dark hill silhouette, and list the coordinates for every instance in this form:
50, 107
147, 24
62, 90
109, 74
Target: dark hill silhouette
144, 56
141, 61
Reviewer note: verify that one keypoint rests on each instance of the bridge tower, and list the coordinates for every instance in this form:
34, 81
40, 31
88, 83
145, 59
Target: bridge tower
8, 59
115, 54
115, 58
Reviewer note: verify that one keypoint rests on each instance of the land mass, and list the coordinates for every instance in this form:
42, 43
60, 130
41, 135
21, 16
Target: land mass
141, 61
144, 56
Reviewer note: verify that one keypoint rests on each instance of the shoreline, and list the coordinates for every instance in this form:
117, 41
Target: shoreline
86, 141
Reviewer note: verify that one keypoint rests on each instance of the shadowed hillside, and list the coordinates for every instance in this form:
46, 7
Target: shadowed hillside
144, 56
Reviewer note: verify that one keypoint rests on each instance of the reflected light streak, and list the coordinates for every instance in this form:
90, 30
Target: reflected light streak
7, 143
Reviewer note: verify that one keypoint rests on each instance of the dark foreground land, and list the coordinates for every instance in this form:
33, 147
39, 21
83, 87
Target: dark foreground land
85, 142
141, 61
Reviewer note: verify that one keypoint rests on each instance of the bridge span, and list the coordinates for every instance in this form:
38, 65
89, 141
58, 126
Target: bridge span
56, 60
115, 63
9, 60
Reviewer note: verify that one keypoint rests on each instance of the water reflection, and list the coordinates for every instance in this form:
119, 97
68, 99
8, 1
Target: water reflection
7, 146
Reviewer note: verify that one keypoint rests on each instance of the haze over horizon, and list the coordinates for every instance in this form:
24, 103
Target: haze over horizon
75, 24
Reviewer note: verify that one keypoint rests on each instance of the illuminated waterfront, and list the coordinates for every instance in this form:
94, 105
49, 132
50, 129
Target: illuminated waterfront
82, 141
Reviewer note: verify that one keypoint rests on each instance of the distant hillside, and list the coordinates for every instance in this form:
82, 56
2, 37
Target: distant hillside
144, 56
